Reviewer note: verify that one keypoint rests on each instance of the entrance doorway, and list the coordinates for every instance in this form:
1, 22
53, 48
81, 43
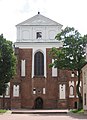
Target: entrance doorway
38, 103
75, 105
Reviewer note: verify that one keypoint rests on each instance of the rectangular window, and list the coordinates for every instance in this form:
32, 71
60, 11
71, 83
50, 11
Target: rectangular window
23, 68
62, 91
54, 70
15, 90
72, 75
38, 35
44, 91
34, 91
8, 89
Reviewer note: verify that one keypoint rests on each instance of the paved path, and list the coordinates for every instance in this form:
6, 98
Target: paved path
40, 117
68, 116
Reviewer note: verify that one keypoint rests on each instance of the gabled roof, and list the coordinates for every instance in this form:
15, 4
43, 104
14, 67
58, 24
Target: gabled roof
38, 20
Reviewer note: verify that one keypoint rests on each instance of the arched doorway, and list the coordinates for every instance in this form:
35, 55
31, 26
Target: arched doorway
38, 103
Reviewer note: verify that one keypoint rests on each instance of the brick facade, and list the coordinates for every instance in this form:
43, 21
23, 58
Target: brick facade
51, 84
50, 100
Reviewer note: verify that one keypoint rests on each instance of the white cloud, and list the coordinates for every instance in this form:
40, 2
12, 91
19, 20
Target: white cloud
67, 12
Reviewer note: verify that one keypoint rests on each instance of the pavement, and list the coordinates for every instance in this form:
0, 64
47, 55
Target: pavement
41, 115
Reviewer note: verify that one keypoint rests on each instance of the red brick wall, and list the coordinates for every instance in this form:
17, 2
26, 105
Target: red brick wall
27, 83
6, 103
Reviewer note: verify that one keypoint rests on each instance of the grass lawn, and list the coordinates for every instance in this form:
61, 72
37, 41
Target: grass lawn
77, 111
2, 111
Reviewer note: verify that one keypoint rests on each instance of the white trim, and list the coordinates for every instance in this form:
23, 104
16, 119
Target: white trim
15, 90
44, 91
38, 44
1, 96
34, 50
71, 96
71, 83
23, 68
62, 91
34, 91
32, 63
72, 75
7, 93
54, 70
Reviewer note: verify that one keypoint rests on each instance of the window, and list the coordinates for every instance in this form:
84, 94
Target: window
39, 64
72, 75
39, 35
44, 91
22, 68
34, 90
15, 90
62, 91
8, 89
71, 90
54, 70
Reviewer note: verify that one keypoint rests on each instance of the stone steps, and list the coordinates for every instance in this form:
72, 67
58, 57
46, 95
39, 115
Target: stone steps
39, 112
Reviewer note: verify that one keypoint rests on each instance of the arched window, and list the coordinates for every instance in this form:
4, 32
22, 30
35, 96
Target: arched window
39, 64
71, 90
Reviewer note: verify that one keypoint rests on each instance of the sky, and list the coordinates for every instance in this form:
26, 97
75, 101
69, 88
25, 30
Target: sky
72, 13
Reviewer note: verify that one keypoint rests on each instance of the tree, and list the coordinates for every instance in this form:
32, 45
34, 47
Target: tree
72, 54
7, 64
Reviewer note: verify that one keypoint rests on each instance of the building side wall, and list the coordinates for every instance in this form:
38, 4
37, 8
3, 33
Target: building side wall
84, 77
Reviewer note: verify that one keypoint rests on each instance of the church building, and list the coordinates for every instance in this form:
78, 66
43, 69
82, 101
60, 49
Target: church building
36, 86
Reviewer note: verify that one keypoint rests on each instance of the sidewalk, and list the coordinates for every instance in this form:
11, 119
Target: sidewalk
41, 115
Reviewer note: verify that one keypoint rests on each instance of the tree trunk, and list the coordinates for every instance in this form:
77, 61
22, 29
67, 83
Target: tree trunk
3, 102
80, 102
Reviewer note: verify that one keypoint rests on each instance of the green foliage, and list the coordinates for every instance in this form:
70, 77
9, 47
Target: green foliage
73, 45
77, 111
2, 111
59, 58
7, 63
72, 56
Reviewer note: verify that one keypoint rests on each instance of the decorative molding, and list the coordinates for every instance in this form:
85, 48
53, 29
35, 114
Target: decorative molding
39, 44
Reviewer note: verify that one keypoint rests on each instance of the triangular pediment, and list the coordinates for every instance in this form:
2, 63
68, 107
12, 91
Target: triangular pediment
39, 20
